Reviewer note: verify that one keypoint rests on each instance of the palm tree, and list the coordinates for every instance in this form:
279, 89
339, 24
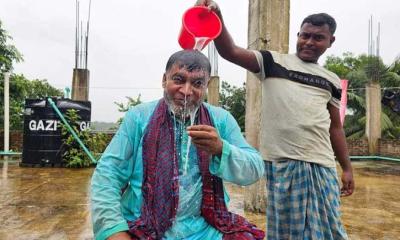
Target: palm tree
362, 70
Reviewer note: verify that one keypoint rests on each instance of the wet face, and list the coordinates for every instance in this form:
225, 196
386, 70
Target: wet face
312, 42
184, 88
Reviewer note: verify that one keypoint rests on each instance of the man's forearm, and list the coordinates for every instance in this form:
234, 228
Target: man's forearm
339, 146
224, 43
226, 46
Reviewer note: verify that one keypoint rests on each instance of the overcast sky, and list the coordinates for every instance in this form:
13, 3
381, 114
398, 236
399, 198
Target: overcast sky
131, 40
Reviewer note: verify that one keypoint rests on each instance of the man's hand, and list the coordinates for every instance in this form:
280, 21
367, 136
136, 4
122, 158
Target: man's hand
206, 138
348, 184
120, 236
208, 3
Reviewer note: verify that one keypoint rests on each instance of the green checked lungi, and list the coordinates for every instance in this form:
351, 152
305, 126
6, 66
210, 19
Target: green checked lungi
303, 201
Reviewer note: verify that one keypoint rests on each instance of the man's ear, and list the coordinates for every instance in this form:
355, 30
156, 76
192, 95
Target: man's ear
332, 40
164, 81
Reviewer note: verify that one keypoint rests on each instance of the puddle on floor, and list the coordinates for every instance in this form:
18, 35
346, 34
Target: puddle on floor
53, 203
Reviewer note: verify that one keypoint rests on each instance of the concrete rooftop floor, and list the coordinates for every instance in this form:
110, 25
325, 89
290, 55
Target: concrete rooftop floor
53, 203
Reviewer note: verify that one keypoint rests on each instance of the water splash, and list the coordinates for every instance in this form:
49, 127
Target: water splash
174, 131
192, 117
200, 43
187, 111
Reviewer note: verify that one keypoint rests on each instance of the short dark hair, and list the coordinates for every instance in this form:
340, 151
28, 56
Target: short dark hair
320, 19
190, 59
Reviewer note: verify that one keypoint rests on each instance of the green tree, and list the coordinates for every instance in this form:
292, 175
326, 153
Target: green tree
21, 89
360, 70
73, 154
395, 67
342, 66
233, 99
125, 107
8, 52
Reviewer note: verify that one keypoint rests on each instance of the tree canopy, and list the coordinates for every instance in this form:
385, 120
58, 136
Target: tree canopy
8, 52
360, 70
233, 99
20, 89
125, 107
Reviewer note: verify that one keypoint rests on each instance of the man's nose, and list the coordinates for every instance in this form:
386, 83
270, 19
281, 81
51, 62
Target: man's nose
187, 89
310, 41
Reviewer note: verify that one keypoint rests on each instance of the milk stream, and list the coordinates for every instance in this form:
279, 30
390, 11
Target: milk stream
200, 42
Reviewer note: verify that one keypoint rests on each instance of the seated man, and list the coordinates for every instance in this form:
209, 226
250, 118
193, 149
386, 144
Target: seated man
170, 157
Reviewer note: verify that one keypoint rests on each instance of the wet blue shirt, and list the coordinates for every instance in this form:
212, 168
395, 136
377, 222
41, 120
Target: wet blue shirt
122, 163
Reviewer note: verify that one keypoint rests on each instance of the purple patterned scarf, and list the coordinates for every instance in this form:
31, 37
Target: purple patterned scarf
161, 186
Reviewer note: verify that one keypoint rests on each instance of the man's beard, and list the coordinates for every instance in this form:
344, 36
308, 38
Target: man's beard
183, 112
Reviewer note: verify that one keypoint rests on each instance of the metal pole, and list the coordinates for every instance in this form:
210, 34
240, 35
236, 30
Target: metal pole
87, 35
6, 111
76, 33
81, 47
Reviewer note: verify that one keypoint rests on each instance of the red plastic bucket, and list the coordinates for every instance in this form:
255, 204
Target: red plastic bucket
199, 27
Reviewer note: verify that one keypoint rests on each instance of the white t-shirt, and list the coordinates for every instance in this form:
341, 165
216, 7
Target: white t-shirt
294, 117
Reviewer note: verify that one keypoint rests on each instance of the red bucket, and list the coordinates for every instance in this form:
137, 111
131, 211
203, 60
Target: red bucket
199, 27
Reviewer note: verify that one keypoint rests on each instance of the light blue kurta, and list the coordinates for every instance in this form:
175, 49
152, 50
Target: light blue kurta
122, 163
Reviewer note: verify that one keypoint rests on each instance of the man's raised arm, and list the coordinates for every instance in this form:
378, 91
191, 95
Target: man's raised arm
226, 46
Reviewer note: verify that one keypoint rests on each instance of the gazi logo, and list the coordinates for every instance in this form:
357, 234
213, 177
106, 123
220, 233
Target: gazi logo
51, 125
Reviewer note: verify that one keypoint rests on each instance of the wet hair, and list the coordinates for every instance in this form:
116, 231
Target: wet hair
192, 60
320, 19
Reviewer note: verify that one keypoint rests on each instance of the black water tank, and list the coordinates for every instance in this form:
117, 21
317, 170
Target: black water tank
42, 144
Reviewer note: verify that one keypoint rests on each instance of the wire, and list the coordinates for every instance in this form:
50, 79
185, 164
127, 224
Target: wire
159, 88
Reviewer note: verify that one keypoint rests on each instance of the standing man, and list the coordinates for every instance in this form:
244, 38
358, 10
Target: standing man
170, 157
301, 132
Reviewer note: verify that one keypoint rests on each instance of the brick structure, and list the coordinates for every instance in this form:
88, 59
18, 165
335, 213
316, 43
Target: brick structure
357, 147
389, 147
16, 138
386, 147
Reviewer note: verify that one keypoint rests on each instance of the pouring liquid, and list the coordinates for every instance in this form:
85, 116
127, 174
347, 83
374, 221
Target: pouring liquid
200, 43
